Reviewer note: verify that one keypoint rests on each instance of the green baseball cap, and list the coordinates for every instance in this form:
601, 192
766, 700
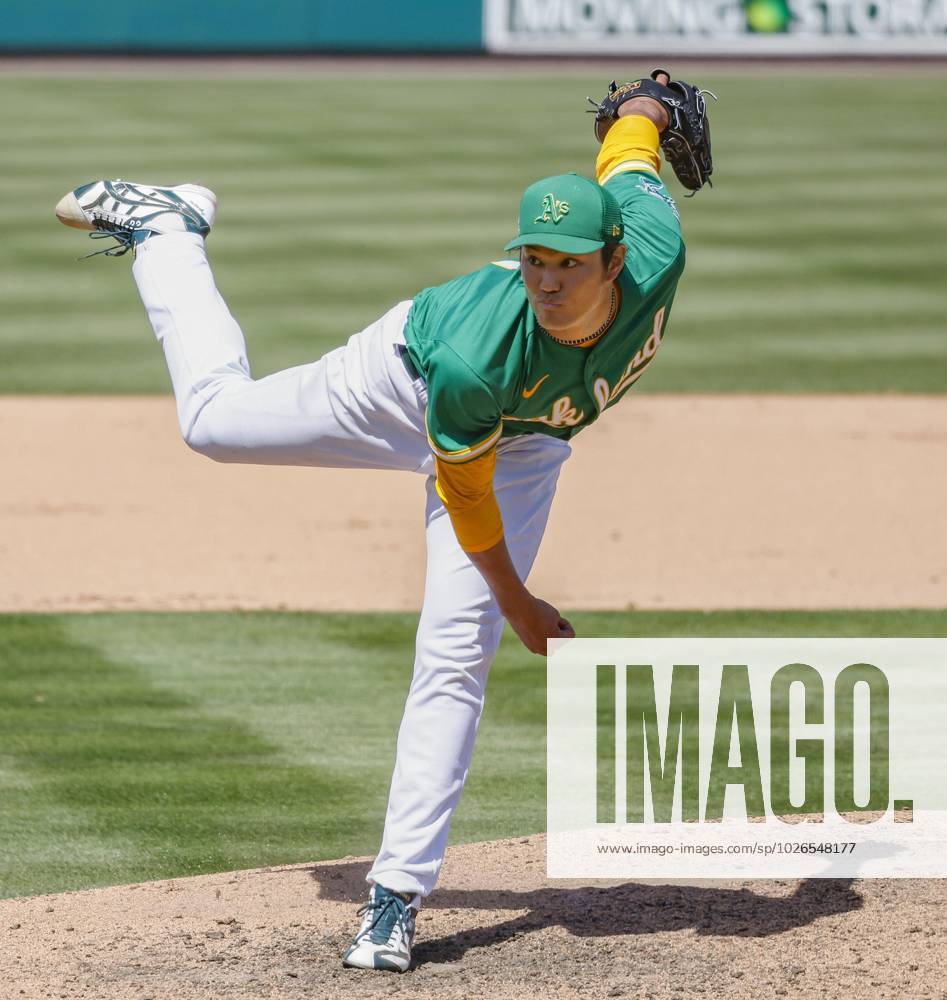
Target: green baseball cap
568, 213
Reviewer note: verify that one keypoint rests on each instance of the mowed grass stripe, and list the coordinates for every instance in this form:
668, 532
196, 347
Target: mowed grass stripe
140, 746
119, 778
822, 225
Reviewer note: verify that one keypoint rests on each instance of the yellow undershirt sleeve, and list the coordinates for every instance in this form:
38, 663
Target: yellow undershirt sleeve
467, 492
631, 144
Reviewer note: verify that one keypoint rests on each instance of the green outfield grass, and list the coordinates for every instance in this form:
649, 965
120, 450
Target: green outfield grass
814, 265
140, 746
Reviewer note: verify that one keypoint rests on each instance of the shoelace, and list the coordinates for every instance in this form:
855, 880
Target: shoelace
123, 235
385, 906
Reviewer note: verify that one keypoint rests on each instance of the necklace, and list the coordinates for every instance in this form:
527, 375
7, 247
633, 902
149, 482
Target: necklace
612, 310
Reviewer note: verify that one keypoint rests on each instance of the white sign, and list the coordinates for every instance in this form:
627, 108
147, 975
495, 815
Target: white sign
747, 758
717, 27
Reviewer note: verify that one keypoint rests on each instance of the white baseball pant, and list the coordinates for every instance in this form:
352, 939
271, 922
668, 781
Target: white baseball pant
357, 407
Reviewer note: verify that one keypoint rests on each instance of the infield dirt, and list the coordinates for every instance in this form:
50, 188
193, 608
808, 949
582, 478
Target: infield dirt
278, 932
688, 502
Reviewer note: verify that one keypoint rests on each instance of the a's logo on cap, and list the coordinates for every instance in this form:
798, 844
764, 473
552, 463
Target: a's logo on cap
552, 209
616, 230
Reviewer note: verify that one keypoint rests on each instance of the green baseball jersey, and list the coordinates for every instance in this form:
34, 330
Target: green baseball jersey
492, 372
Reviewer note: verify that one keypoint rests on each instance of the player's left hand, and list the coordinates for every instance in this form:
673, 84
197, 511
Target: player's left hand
684, 127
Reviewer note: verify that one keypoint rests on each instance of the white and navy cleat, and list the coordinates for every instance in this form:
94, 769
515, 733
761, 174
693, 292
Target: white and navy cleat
129, 212
384, 939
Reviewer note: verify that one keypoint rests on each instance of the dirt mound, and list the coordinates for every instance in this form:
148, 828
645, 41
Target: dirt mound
278, 932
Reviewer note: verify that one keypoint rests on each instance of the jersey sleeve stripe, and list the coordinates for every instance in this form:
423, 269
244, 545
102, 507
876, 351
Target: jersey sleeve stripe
466, 454
627, 167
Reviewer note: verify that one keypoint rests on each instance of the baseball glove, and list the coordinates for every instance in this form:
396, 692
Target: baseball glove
686, 140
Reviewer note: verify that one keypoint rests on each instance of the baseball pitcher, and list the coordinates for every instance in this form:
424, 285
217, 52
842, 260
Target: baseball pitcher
479, 384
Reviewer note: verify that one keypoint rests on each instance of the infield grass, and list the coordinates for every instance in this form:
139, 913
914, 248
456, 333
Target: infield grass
814, 265
141, 746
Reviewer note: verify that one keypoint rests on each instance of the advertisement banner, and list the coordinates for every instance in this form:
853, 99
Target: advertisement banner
717, 27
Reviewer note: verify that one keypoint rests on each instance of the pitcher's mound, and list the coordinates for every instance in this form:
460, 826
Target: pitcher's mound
494, 928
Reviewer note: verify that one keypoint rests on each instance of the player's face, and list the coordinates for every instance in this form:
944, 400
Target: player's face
566, 291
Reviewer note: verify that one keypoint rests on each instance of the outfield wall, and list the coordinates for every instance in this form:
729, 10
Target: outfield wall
657, 28
242, 26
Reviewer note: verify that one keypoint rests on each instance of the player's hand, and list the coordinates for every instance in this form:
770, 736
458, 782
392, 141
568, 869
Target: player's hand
678, 110
647, 107
535, 621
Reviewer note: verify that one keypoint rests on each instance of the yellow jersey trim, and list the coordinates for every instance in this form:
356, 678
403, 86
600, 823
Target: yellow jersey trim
465, 454
627, 167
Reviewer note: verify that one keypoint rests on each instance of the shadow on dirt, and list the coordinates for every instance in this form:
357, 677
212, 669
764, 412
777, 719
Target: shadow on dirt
629, 908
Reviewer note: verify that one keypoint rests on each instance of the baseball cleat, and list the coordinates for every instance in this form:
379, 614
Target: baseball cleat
384, 939
130, 212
